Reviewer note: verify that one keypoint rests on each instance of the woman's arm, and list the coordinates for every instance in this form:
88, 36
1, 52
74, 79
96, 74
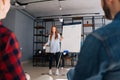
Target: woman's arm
60, 37
48, 42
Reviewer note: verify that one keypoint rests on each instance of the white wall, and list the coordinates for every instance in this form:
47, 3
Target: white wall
22, 26
24, 33
10, 20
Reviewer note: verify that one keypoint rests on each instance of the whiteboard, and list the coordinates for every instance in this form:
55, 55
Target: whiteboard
71, 38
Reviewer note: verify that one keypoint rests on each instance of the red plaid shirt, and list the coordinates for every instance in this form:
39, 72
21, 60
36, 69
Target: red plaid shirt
10, 65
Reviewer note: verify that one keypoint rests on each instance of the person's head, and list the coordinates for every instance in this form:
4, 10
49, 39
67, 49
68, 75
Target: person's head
111, 8
4, 8
54, 31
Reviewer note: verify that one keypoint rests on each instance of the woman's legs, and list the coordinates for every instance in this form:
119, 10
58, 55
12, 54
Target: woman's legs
51, 60
58, 57
62, 57
50, 63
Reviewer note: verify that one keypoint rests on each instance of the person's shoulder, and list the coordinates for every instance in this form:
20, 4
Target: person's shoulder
5, 32
6, 35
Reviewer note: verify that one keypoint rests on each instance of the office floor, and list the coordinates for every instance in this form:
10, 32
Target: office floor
37, 72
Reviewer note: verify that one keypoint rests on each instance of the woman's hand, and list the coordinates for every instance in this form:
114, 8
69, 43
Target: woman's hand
44, 46
61, 38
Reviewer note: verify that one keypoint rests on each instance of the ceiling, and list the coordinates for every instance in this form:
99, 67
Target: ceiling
38, 8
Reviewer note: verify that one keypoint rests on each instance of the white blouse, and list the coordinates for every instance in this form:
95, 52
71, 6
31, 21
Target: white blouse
54, 43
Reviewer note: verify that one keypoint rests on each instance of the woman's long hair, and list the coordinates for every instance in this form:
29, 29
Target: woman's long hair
56, 32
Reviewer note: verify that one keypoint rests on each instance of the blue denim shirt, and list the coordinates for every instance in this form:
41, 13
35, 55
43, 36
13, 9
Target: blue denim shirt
94, 50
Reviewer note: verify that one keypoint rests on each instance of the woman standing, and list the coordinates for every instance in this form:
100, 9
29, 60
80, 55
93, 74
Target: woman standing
54, 43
